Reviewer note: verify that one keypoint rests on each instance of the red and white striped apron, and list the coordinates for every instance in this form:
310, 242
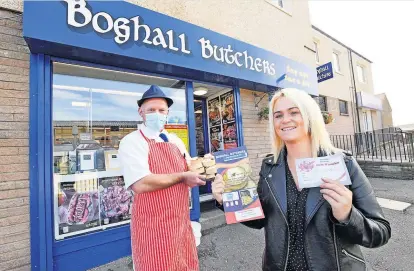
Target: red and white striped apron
161, 232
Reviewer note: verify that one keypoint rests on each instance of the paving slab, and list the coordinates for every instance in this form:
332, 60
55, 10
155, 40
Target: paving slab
393, 204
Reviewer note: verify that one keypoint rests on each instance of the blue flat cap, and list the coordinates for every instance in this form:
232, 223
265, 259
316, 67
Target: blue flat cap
154, 92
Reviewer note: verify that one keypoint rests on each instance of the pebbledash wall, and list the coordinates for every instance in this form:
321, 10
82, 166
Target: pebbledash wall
289, 34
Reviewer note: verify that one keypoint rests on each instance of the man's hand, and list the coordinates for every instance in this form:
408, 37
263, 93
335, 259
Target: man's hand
217, 188
192, 179
339, 197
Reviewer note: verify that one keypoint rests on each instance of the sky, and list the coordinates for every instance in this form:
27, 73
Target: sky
382, 31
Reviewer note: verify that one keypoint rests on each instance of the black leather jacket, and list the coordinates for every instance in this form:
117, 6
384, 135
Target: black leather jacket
329, 245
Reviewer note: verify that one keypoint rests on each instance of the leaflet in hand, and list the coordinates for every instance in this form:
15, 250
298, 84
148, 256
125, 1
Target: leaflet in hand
310, 171
240, 200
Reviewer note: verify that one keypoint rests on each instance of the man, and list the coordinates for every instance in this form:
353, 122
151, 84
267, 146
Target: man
155, 169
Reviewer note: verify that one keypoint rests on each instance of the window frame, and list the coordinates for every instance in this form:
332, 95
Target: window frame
336, 61
53, 253
325, 98
346, 107
363, 79
316, 48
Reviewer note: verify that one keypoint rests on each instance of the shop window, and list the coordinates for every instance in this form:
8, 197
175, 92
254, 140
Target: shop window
336, 62
321, 100
361, 74
222, 122
93, 109
343, 107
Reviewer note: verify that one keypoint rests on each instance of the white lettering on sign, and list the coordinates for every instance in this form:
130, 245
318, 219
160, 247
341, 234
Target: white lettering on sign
80, 16
229, 56
125, 29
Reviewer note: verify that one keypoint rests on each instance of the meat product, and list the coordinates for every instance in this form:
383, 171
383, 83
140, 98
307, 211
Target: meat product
115, 201
79, 207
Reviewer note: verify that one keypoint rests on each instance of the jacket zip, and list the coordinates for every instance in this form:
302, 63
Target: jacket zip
352, 256
336, 248
277, 203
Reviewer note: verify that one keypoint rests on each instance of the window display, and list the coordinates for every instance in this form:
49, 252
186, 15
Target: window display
222, 122
93, 109
115, 200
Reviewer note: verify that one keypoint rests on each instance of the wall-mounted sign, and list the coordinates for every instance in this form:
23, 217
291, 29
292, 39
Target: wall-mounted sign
131, 31
368, 100
85, 136
324, 72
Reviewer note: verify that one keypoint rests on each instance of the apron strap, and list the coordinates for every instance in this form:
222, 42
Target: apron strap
146, 138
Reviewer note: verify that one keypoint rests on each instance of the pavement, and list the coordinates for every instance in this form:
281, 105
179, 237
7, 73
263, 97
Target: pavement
238, 248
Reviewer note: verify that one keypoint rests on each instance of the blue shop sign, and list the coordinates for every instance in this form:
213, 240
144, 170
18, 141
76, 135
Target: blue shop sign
325, 72
123, 29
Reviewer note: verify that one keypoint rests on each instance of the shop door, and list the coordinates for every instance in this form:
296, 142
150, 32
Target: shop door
202, 145
368, 121
215, 124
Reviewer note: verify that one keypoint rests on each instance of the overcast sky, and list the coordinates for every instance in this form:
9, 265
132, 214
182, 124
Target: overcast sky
382, 31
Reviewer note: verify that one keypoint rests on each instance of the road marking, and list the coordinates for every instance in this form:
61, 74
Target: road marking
393, 204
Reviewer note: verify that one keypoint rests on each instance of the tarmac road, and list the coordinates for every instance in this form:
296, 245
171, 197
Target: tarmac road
238, 248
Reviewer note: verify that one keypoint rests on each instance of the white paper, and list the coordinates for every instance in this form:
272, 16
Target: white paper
310, 171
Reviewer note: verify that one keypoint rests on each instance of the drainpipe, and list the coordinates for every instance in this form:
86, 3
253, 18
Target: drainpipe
354, 87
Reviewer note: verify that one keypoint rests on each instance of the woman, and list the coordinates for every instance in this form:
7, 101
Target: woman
319, 228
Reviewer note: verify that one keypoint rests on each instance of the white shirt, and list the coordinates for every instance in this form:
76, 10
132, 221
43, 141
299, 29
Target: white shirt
133, 153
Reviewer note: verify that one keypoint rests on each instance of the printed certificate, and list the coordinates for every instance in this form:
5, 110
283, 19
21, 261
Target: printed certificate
310, 171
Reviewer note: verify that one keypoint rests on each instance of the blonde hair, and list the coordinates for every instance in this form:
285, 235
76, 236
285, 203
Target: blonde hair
312, 118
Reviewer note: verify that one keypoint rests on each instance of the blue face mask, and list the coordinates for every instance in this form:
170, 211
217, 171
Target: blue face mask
155, 121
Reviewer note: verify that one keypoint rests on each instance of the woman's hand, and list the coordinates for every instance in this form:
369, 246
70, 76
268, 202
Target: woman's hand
339, 197
217, 187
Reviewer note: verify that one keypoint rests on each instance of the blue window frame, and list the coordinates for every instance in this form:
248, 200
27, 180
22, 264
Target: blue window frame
74, 253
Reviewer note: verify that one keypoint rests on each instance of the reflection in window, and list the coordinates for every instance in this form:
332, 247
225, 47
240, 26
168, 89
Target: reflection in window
321, 100
343, 107
93, 109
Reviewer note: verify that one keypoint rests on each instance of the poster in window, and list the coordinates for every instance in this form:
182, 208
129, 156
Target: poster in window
214, 112
181, 131
115, 200
227, 100
216, 139
78, 206
230, 135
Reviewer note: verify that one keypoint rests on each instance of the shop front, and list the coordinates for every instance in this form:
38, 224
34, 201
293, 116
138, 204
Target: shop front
370, 107
90, 62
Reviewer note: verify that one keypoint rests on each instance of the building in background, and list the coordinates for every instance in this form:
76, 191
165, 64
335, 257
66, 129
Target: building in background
84, 83
349, 94
386, 120
336, 95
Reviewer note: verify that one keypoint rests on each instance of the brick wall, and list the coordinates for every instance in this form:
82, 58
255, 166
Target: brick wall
14, 145
256, 133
